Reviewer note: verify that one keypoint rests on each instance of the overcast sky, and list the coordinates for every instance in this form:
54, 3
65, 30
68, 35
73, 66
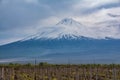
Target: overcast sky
21, 18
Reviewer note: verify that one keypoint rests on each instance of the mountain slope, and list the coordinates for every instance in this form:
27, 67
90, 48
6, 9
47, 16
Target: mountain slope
62, 49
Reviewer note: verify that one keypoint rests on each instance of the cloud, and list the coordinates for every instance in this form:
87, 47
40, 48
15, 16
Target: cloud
32, 1
99, 16
52, 20
9, 40
94, 3
90, 6
15, 14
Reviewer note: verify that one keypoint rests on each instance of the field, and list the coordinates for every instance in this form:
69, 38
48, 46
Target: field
45, 71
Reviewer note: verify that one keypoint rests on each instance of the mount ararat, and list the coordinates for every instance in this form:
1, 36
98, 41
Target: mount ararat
68, 40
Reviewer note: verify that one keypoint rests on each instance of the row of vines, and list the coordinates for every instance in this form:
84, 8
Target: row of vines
60, 72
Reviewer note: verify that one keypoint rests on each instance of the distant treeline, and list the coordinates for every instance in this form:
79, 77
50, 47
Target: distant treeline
48, 64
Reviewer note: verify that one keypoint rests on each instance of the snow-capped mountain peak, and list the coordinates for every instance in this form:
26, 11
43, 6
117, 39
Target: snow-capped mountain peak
70, 29
66, 28
69, 21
